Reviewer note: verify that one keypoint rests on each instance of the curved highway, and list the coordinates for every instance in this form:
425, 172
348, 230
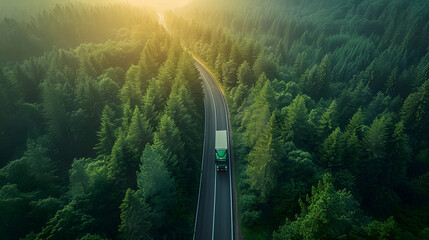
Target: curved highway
214, 214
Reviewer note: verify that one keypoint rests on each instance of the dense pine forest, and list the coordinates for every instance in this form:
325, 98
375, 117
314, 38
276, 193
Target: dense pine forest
329, 102
100, 126
102, 117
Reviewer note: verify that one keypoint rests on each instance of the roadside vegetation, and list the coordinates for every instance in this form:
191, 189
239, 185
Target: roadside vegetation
100, 127
329, 102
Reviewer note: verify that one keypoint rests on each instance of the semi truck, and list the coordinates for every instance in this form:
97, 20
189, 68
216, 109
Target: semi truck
221, 149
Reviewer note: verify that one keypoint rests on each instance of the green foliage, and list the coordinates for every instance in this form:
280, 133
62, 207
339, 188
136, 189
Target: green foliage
258, 114
328, 214
265, 64
139, 132
297, 127
135, 221
106, 134
245, 74
348, 89
93, 109
332, 151
68, 222
157, 188
415, 108
262, 163
167, 142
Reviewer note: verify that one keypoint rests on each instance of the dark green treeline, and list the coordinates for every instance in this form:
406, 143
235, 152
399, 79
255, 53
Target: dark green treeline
100, 127
329, 103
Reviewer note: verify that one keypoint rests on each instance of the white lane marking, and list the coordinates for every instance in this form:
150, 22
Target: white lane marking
215, 180
214, 206
229, 156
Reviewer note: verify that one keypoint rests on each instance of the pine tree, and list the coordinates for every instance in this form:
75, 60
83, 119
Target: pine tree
354, 149
178, 108
301, 63
149, 63
265, 64
153, 102
238, 96
123, 163
262, 164
324, 77
186, 66
245, 74
139, 132
156, 187
400, 155
135, 218
235, 54
328, 214
333, 150
166, 75
131, 94
167, 138
415, 108
229, 74
258, 114
297, 126
327, 121
106, 134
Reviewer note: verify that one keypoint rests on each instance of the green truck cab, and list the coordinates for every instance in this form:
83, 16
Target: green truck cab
221, 149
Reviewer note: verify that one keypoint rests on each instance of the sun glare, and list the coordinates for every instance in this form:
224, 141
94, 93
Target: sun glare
163, 4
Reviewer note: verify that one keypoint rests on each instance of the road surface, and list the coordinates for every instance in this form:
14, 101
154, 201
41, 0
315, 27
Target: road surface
214, 215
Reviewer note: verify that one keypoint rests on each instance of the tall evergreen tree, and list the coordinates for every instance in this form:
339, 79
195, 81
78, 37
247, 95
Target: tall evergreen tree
167, 139
297, 126
157, 188
330, 214
327, 121
258, 114
245, 74
139, 132
135, 218
332, 151
106, 134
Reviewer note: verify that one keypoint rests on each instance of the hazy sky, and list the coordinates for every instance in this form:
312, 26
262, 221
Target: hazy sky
162, 4
23, 8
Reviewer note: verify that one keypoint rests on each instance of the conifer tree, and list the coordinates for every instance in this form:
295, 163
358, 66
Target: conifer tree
186, 66
167, 138
149, 63
333, 150
229, 74
153, 102
139, 132
297, 126
123, 163
166, 75
106, 134
262, 164
156, 187
265, 64
328, 214
327, 121
245, 74
258, 114
135, 218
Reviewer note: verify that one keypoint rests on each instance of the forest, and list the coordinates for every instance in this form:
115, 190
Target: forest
101, 115
329, 102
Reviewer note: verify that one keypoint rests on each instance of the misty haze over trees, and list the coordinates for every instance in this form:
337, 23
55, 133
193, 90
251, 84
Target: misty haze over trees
100, 129
329, 103
101, 124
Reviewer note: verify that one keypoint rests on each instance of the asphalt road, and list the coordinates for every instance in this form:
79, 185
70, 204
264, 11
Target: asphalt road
214, 215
